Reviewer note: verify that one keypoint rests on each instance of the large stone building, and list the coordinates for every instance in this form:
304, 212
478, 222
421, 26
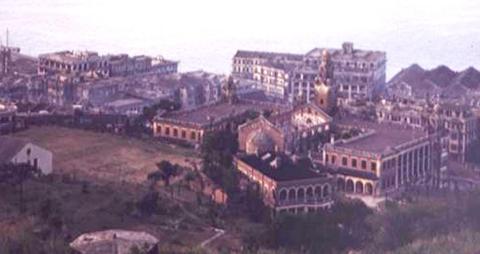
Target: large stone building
287, 186
281, 132
91, 64
190, 126
69, 62
354, 73
383, 159
457, 123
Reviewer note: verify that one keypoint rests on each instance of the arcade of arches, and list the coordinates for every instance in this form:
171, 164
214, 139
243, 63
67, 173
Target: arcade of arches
355, 186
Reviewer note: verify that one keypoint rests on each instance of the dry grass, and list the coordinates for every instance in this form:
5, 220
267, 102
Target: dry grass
104, 156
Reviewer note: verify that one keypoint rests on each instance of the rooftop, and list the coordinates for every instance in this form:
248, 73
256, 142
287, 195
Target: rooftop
378, 137
70, 56
112, 242
212, 113
9, 147
268, 55
287, 169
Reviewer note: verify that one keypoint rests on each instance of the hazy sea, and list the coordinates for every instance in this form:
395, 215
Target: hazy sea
206, 34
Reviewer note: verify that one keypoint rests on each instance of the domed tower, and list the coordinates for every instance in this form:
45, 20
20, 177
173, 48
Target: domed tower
325, 96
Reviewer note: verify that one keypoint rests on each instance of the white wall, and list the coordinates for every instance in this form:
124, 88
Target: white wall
43, 156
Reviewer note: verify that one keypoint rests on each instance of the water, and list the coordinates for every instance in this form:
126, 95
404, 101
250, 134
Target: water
205, 34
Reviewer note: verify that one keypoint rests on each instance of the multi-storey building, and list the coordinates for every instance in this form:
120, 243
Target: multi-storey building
357, 74
456, 123
354, 73
70, 62
287, 186
281, 132
383, 159
189, 126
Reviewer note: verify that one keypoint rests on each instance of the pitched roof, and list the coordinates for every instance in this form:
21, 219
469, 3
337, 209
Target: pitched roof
9, 147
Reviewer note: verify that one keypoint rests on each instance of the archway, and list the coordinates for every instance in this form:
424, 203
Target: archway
349, 187
309, 193
301, 194
369, 188
341, 184
359, 187
326, 190
283, 195
318, 192
291, 195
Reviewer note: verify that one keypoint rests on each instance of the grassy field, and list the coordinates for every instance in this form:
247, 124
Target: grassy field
104, 156
101, 207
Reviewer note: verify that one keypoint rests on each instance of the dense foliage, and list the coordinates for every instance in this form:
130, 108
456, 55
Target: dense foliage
217, 152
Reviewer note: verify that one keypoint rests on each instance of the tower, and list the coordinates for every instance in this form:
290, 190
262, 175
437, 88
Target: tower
325, 96
229, 91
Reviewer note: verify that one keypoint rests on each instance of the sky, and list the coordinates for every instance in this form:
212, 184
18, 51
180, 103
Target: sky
205, 34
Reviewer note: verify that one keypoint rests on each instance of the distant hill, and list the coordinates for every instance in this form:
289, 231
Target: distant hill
441, 80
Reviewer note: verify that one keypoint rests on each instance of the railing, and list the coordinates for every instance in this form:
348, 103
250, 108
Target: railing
307, 201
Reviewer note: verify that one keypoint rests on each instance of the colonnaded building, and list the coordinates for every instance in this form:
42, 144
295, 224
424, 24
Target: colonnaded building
384, 159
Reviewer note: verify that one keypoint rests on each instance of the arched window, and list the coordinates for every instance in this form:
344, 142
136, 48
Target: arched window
283, 195
359, 187
326, 190
291, 195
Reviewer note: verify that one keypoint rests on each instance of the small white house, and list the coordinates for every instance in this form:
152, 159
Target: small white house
14, 150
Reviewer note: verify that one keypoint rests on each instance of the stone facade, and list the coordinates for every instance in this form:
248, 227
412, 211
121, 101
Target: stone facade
375, 164
301, 191
355, 74
457, 123
280, 132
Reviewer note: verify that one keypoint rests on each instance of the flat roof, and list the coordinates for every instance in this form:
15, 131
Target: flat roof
382, 136
287, 171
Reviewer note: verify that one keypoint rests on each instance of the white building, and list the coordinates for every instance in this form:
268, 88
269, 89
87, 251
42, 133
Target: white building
13, 150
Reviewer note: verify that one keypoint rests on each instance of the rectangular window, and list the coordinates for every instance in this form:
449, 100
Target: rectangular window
175, 132
374, 166
167, 131
184, 134
364, 164
344, 161
326, 157
333, 159
192, 135
354, 163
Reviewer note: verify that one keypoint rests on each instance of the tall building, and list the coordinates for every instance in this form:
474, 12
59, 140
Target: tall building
455, 122
354, 73
383, 159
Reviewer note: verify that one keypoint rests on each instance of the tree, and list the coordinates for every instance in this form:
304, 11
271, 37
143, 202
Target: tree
150, 112
165, 170
217, 152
